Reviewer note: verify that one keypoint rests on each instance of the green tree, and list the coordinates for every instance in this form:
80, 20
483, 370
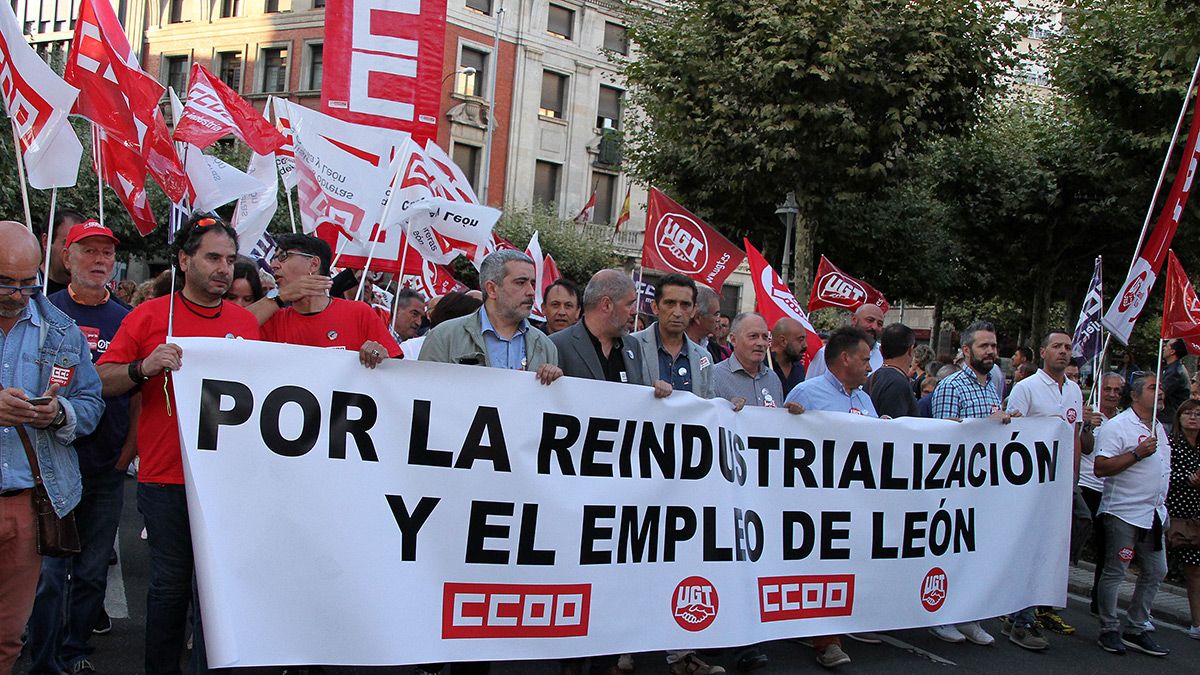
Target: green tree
738, 102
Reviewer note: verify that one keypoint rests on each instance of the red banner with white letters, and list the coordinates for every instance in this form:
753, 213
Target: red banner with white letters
383, 63
834, 288
1181, 307
678, 241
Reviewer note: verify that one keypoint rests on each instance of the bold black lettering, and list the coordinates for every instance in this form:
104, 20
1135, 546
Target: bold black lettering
681, 526
754, 535
592, 444
1047, 460
830, 533
858, 467
914, 534
552, 443
479, 530
940, 451
712, 552
763, 446
341, 426
211, 414
1013, 451
410, 523
878, 550
696, 463
591, 533
638, 542
419, 452
527, 551
808, 538
268, 421
887, 470
799, 464
487, 420
663, 453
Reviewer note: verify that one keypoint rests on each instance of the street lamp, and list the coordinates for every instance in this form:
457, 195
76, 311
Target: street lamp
485, 180
787, 212
466, 70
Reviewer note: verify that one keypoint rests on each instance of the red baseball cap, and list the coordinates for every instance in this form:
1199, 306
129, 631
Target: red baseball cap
90, 228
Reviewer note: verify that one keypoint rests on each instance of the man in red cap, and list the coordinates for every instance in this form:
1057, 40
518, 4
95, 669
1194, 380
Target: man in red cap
59, 642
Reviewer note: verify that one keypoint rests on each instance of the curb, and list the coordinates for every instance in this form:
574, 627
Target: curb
1170, 604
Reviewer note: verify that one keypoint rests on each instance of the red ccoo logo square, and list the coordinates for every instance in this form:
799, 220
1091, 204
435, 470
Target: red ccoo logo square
805, 597
473, 611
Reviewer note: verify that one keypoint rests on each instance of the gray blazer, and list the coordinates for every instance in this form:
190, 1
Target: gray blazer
577, 357
699, 361
461, 341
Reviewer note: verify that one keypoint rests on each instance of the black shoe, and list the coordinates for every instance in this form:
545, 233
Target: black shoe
1145, 644
751, 660
1110, 641
103, 624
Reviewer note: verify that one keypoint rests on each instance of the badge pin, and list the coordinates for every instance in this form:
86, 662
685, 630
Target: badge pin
332, 335
629, 353
683, 372
524, 362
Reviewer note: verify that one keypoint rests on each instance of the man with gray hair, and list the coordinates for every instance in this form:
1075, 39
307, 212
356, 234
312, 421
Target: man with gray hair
499, 334
704, 320
743, 379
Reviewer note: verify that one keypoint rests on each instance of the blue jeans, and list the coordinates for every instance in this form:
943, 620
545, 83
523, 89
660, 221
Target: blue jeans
172, 581
65, 613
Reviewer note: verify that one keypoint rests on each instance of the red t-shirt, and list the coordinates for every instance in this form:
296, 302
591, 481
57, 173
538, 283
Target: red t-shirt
344, 324
146, 328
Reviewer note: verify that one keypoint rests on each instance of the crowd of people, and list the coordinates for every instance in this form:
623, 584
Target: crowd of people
86, 368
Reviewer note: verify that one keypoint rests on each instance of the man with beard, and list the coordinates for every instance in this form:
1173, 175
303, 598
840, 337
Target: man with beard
499, 334
1047, 393
560, 305
57, 276
789, 342
970, 393
868, 318
204, 252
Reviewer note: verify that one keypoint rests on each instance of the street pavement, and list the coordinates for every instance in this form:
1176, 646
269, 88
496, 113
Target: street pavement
907, 651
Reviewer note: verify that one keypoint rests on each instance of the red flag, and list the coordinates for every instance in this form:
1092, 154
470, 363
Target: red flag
1181, 307
589, 210
677, 241
125, 172
214, 110
624, 217
834, 288
550, 273
774, 300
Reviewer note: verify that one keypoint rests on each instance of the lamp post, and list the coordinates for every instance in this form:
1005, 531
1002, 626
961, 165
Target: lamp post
485, 181
787, 215
466, 70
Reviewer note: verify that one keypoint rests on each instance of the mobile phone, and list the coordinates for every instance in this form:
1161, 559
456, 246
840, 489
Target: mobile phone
41, 400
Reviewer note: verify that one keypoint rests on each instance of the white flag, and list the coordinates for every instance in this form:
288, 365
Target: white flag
534, 250
255, 210
285, 156
38, 101
216, 182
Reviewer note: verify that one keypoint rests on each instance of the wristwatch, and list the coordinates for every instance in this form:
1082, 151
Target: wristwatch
1136, 457
60, 419
273, 294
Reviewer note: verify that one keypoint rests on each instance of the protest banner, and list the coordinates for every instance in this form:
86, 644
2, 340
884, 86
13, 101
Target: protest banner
424, 512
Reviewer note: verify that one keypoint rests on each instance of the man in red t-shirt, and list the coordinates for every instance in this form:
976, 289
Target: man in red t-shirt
317, 320
204, 251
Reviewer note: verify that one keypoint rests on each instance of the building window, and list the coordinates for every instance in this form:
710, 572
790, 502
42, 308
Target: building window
316, 67
272, 6
560, 21
606, 188
175, 11
229, 69
177, 73
467, 159
274, 69
545, 182
484, 6
471, 84
554, 95
616, 38
231, 8
608, 108
318, 4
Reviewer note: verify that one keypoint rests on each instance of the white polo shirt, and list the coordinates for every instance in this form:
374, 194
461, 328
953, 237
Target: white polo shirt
1087, 463
1140, 491
1040, 396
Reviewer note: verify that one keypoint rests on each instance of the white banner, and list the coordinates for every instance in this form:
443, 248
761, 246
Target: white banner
426, 512
254, 211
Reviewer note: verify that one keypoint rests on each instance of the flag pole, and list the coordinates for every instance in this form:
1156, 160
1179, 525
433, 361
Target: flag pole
1157, 377
49, 239
287, 193
21, 174
96, 140
400, 273
366, 268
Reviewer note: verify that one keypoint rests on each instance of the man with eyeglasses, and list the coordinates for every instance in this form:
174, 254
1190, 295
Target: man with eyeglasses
49, 395
72, 589
204, 252
318, 320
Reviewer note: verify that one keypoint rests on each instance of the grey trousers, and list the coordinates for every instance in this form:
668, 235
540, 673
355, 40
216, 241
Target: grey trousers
1122, 545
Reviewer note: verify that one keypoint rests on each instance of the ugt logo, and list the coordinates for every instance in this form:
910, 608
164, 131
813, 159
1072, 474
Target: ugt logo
934, 589
839, 289
682, 244
695, 604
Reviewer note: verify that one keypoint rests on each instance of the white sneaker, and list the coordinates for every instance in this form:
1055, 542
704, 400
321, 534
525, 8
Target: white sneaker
948, 633
975, 633
1194, 632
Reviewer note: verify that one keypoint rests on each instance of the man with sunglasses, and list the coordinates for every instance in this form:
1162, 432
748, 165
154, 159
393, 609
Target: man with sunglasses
204, 252
318, 320
49, 395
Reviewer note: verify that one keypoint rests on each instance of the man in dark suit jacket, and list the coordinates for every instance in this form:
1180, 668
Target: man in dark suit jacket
598, 347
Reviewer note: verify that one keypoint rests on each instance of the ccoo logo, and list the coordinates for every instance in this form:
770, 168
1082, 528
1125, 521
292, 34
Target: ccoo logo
839, 289
682, 244
695, 604
934, 589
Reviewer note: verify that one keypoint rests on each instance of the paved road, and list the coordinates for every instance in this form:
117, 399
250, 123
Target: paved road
910, 651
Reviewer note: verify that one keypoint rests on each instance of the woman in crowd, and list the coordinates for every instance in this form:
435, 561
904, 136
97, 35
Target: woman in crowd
1183, 498
246, 288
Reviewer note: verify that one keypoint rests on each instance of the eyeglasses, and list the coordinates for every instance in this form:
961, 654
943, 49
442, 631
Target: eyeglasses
27, 291
282, 256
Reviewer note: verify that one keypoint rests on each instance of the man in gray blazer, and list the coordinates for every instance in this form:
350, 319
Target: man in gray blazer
667, 353
597, 347
499, 334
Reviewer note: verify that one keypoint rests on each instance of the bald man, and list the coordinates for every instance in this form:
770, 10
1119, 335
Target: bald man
868, 318
789, 342
50, 395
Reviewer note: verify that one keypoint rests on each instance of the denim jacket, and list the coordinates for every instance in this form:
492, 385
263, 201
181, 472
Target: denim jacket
63, 345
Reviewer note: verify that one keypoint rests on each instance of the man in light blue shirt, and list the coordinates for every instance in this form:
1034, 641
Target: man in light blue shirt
839, 388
